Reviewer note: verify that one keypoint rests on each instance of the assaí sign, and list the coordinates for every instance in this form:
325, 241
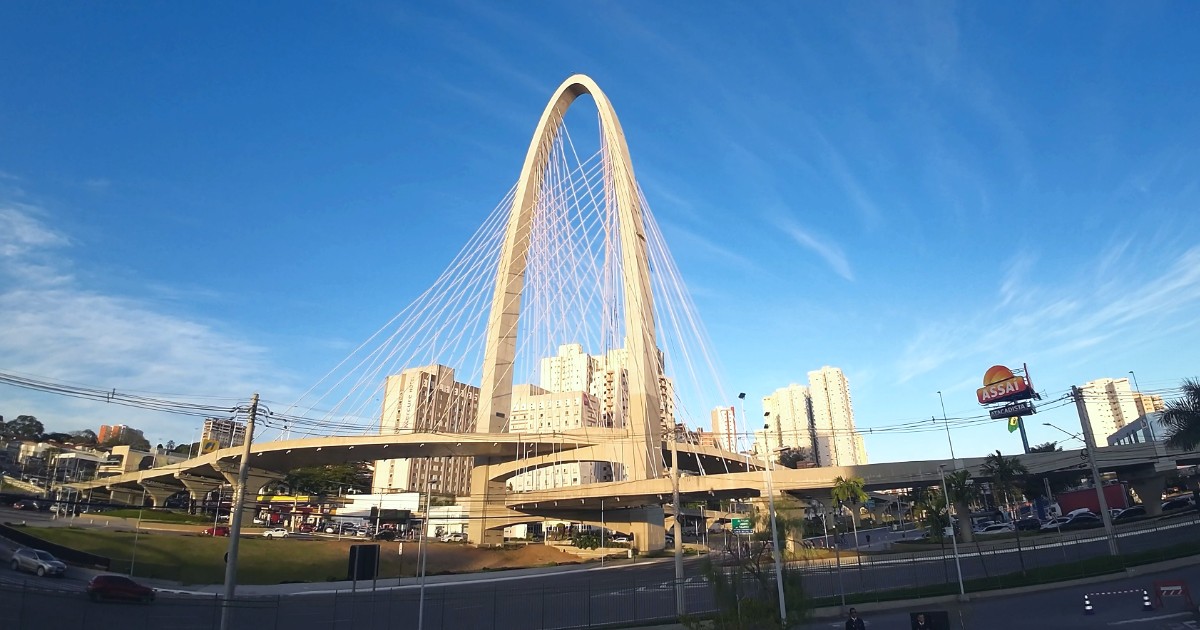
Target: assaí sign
1001, 385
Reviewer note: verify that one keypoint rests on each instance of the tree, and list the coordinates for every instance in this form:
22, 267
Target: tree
1182, 417
1006, 474
934, 514
23, 428
329, 479
1045, 447
86, 437
56, 437
185, 449
849, 492
962, 493
131, 437
170, 445
791, 458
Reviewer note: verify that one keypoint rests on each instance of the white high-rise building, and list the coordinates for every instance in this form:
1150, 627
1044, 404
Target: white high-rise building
426, 399
224, 432
836, 441
536, 410
724, 426
607, 378
787, 416
1111, 404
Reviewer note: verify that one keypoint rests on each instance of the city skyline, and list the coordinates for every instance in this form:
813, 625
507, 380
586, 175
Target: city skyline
921, 196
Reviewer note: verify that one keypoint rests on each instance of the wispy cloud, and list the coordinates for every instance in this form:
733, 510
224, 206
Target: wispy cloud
1060, 320
829, 251
57, 329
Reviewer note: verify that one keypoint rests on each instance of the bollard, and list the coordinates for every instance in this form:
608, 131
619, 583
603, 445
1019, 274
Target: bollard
1087, 606
1147, 606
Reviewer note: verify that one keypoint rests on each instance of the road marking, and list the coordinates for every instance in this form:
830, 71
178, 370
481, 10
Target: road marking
1145, 619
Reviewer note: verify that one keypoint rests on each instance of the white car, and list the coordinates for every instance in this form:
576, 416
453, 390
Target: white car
620, 538
995, 528
278, 532
1054, 523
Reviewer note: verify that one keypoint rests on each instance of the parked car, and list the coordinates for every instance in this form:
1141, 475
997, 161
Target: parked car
1055, 523
453, 537
621, 538
277, 532
37, 561
1078, 511
26, 504
995, 528
259, 521
1132, 512
307, 528
386, 534
1083, 521
1177, 503
219, 530
118, 587
1028, 523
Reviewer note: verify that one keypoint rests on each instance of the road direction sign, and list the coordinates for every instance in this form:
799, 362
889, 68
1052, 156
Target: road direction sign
742, 526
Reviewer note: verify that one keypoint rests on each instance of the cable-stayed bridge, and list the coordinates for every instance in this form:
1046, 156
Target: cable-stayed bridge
562, 333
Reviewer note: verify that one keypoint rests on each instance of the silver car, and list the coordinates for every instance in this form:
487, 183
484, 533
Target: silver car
37, 561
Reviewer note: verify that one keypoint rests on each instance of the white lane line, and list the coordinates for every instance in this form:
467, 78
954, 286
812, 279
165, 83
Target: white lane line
1145, 619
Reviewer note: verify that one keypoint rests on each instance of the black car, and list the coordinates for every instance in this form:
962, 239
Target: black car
1083, 521
1133, 512
1176, 503
1028, 523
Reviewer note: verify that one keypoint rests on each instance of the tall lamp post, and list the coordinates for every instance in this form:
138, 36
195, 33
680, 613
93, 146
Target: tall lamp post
962, 591
1149, 423
947, 423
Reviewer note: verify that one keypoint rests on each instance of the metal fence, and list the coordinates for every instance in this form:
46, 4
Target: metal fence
600, 599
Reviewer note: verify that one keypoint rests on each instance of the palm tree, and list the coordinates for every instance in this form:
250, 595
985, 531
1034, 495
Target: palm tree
962, 492
1045, 447
1006, 474
1182, 417
849, 491
934, 515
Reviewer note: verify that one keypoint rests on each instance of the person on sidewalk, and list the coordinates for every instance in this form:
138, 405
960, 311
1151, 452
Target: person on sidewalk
855, 622
920, 624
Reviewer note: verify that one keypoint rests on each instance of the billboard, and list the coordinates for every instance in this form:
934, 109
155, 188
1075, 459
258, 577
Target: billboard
1001, 385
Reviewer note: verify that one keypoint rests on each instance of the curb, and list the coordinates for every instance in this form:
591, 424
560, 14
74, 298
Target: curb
829, 612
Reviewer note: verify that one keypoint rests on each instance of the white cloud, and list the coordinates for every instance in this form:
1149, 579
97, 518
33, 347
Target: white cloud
827, 250
54, 329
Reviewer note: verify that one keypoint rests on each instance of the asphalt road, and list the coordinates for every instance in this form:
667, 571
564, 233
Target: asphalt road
579, 597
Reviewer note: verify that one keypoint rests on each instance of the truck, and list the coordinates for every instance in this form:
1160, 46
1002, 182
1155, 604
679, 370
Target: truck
1114, 493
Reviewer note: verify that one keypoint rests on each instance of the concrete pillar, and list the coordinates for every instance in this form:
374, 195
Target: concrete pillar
128, 496
486, 495
198, 488
255, 480
647, 525
1149, 490
158, 493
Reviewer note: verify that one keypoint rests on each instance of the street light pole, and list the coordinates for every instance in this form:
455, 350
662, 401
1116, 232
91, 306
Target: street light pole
775, 543
1149, 423
947, 423
1089, 443
962, 591
423, 547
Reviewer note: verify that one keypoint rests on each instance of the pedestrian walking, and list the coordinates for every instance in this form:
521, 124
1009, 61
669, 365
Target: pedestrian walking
855, 622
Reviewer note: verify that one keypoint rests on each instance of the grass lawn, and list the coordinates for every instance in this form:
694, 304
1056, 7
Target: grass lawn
159, 516
195, 559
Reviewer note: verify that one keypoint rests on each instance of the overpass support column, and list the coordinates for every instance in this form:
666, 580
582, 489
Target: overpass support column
158, 494
1149, 490
647, 523
130, 497
255, 481
486, 494
198, 488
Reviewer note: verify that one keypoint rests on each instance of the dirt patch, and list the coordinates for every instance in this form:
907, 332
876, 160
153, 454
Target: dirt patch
460, 558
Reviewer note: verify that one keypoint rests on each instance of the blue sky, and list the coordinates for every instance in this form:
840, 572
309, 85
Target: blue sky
222, 199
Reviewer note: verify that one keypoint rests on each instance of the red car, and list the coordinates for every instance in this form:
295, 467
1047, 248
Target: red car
118, 587
219, 530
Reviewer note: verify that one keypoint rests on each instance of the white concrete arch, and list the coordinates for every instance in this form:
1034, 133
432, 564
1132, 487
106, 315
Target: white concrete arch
495, 402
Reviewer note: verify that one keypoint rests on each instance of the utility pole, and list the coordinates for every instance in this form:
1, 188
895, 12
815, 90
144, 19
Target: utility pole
235, 517
1089, 443
680, 595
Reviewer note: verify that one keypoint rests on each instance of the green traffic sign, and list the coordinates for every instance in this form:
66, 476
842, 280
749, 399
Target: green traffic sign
742, 526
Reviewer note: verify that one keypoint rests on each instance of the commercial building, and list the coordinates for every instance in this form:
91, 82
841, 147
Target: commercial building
423, 399
222, 433
1148, 428
1111, 404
